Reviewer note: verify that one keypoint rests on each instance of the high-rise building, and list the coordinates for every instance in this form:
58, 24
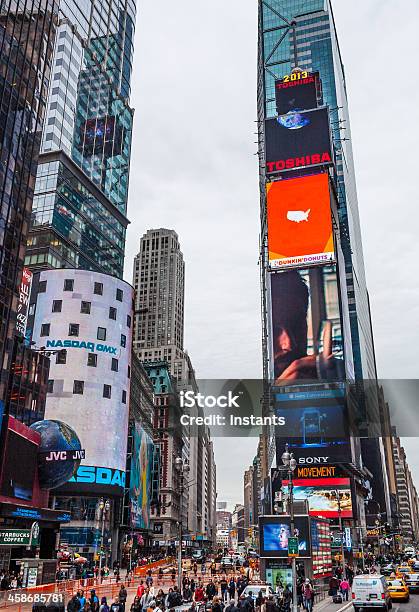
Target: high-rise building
407, 497
79, 212
299, 37
159, 283
27, 33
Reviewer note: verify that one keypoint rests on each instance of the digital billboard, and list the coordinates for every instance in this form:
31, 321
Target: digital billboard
316, 425
298, 140
306, 331
322, 496
275, 532
19, 466
296, 93
321, 549
23, 303
299, 222
141, 478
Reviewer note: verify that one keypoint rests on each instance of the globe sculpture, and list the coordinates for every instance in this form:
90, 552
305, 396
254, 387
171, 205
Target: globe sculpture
56, 436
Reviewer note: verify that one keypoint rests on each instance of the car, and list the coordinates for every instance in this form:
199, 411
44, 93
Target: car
398, 590
412, 582
232, 561
387, 570
402, 570
371, 591
254, 588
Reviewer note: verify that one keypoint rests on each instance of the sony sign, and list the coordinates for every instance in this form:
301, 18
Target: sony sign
312, 460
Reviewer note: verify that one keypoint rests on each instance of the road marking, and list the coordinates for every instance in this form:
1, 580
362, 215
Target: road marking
345, 607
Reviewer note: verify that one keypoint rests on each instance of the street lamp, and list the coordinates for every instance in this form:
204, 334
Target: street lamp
290, 464
183, 468
104, 507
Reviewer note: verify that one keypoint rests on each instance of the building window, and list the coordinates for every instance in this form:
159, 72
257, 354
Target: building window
107, 390
128, 321
123, 340
124, 397
101, 333
98, 290
85, 307
112, 313
78, 387
42, 286
61, 357
68, 284
119, 295
57, 305
129, 371
114, 366
50, 386
45, 327
92, 360
73, 329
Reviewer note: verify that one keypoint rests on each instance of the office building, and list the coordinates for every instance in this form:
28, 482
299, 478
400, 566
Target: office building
80, 204
27, 34
159, 283
300, 36
407, 497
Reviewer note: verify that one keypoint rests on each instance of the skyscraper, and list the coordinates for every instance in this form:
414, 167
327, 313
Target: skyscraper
27, 31
301, 34
79, 212
159, 283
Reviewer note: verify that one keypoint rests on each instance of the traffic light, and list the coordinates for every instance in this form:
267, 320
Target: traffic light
250, 532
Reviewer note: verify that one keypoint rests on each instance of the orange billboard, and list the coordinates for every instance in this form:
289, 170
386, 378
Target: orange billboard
300, 222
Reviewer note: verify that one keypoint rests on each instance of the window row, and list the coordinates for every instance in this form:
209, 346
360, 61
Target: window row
74, 331
69, 286
78, 389
85, 308
61, 359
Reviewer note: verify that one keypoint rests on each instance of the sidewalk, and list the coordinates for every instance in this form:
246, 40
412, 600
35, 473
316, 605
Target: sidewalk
328, 606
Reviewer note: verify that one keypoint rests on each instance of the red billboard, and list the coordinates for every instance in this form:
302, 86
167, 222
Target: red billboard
300, 222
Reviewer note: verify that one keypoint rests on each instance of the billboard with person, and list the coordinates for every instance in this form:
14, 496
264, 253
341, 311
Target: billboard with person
306, 331
141, 476
300, 222
275, 532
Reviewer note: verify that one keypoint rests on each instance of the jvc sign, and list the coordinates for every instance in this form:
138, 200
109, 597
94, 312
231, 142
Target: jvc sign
63, 455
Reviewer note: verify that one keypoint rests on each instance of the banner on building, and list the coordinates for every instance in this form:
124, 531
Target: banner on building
300, 222
298, 91
297, 141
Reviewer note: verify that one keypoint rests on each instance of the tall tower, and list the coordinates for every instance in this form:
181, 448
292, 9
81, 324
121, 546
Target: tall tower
298, 42
79, 212
27, 31
159, 283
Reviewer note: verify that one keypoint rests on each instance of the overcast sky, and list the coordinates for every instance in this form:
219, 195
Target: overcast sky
194, 169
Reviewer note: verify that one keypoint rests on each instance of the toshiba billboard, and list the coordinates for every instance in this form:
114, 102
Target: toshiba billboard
299, 222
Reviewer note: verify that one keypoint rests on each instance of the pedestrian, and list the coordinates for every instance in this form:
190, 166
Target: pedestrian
224, 589
173, 574
216, 606
136, 605
232, 588
344, 589
195, 569
333, 586
104, 605
94, 601
308, 596
115, 606
74, 604
146, 599
140, 589
199, 593
123, 596
211, 591
260, 600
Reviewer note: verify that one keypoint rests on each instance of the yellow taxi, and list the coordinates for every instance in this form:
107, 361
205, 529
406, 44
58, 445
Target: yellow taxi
398, 590
402, 570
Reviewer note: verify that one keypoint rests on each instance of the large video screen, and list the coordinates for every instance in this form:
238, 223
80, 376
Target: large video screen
298, 140
299, 222
298, 94
325, 496
275, 532
306, 330
316, 425
141, 478
19, 466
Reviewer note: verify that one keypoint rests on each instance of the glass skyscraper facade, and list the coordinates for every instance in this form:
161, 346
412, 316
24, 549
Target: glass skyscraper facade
302, 33
79, 212
27, 31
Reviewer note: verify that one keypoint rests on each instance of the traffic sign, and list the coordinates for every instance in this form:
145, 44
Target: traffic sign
293, 547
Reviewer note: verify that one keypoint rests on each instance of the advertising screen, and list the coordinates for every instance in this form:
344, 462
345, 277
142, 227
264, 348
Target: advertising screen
299, 222
141, 478
321, 550
316, 425
23, 303
298, 140
306, 332
19, 466
275, 532
299, 94
324, 496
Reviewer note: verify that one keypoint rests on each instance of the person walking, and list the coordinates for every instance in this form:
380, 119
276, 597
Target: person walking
344, 589
104, 605
232, 588
224, 589
123, 596
136, 605
308, 596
